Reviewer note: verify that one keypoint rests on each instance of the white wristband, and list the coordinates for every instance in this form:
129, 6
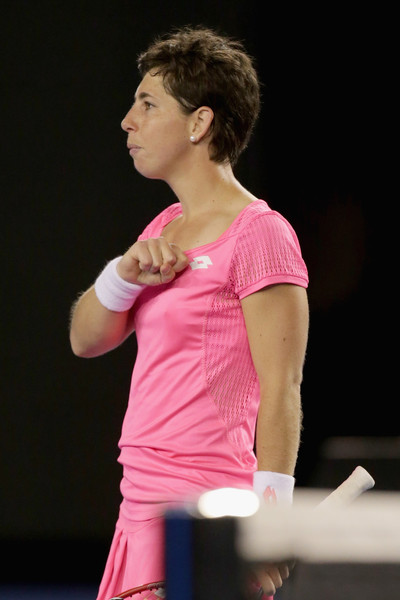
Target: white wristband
114, 292
274, 487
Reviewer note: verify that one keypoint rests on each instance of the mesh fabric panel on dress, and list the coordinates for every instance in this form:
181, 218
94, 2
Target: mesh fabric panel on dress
266, 248
229, 369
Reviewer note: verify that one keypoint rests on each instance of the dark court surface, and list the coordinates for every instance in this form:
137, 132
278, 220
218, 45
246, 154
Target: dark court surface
48, 592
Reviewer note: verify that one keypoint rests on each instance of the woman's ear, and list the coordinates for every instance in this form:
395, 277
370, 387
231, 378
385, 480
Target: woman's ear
201, 124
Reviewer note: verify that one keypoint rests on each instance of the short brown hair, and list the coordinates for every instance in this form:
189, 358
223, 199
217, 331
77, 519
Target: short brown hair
202, 68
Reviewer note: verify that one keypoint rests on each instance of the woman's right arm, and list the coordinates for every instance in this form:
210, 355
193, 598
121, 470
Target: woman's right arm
95, 329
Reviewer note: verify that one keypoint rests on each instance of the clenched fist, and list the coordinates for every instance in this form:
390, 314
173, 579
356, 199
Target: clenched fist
152, 262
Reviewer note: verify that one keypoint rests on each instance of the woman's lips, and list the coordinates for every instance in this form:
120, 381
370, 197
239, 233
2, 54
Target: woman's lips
133, 149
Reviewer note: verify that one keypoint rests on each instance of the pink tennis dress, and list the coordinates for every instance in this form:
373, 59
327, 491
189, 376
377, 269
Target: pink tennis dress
194, 397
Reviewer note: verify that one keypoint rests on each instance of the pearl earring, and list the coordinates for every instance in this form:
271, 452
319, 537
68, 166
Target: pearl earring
192, 138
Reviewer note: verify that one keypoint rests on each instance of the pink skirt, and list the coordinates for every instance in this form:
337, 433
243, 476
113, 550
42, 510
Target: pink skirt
136, 557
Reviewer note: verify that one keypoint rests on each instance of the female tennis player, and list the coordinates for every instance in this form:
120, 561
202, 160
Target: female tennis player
215, 290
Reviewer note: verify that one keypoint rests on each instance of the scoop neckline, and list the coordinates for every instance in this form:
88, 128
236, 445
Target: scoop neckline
178, 206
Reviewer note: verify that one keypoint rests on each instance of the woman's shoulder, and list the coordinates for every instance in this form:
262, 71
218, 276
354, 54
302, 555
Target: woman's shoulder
259, 220
253, 210
259, 209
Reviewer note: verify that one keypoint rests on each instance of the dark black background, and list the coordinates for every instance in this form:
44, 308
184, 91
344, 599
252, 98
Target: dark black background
71, 200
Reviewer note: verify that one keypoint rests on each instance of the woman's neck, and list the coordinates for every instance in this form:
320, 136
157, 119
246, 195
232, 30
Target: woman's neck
209, 189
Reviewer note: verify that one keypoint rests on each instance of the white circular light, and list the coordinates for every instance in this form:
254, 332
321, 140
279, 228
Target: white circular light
228, 502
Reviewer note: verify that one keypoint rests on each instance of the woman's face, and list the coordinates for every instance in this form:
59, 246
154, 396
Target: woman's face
158, 131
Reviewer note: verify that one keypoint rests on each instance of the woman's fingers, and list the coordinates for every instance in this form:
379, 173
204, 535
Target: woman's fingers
271, 577
152, 262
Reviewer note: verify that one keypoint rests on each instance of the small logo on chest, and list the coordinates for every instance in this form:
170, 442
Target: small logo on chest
201, 262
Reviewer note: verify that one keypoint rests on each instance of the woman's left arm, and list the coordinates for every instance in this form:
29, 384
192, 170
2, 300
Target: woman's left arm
276, 320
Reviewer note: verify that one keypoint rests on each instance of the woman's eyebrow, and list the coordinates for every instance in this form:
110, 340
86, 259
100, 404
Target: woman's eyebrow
143, 95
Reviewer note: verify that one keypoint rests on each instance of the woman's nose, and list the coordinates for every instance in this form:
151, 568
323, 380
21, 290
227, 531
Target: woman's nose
128, 123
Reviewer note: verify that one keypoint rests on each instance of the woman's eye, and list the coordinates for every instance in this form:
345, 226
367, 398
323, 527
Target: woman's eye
148, 105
